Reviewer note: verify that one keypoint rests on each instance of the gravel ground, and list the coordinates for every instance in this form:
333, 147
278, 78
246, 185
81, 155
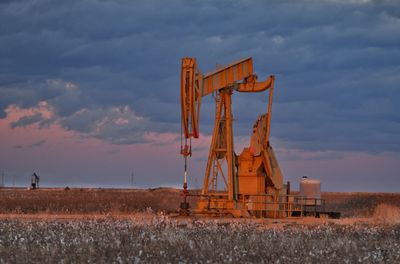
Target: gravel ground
162, 240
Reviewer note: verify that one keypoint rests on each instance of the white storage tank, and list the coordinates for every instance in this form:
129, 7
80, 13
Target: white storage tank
310, 189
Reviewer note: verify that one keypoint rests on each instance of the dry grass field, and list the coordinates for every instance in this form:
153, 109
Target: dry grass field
88, 201
118, 226
100, 201
359, 204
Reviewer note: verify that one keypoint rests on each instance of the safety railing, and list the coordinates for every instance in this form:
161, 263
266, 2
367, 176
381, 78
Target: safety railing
268, 205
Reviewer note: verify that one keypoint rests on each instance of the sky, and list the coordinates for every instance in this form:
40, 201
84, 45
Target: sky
89, 89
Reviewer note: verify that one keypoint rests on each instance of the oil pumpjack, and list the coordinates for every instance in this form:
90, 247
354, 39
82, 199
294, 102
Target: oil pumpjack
252, 182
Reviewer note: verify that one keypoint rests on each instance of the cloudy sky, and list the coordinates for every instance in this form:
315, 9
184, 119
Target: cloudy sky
89, 89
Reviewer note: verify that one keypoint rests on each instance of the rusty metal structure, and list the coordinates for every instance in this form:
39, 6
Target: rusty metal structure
249, 184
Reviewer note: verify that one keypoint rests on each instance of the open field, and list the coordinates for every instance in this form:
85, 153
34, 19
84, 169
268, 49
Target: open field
102, 201
118, 226
82, 201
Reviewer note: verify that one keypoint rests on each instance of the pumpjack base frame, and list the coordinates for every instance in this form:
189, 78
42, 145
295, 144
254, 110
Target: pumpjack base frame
219, 207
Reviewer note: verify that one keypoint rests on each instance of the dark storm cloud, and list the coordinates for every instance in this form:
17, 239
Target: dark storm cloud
118, 125
27, 120
110, 69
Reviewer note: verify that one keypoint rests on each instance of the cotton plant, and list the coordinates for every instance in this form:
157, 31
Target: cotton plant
165, 239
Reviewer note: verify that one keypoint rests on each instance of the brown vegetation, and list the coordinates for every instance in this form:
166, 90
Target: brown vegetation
359, 204
387, 214
118, 226
103, 201
88, 201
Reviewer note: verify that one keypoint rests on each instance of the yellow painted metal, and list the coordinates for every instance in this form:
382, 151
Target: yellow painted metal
221, 149
250, 85
212, 155
226, 76
191, 83
252, 181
